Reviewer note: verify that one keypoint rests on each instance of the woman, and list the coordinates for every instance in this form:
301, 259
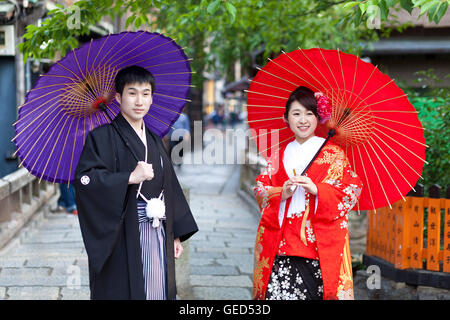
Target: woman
302, 247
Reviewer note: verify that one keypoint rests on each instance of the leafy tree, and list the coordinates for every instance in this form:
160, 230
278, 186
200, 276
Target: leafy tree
217, 33
433, 105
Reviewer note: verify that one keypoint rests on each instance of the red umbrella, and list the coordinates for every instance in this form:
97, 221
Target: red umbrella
375, 124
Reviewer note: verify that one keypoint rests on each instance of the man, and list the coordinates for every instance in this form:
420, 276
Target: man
179, 133
123, 166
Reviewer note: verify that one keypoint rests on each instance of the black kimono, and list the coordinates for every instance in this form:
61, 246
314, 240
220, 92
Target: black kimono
107, 210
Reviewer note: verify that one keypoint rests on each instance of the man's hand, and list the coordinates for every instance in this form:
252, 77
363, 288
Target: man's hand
178, 248
142, 172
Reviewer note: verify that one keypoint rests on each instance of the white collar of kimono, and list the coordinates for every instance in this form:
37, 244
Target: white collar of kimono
142, 135
297, 156
155, 208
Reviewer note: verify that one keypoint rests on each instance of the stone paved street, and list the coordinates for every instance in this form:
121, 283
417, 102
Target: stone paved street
221, 253
48, 260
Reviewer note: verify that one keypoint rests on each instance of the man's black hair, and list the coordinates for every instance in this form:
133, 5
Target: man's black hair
133, 74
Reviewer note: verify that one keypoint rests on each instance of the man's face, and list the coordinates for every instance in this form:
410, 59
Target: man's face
135, 101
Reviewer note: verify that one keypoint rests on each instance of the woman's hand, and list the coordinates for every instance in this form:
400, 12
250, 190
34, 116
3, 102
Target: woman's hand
178, 248
306, 183
295, 181
289, 188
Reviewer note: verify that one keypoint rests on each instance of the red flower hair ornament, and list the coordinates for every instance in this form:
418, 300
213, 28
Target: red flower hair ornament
324, 107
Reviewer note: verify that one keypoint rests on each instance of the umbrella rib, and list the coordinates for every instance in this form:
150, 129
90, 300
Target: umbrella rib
375, 91
38, 138
320, 72
342, 70
390, 160
71, 158
53, 148
323, 87
275, 145
110, 82
371, 104
48, 86
166, 63
353, 167
263, 106
339, 93
338, 118
31, 112
267, 119
77, 78
296, 75
176, 85
110, 49
40, 97
169, 96
365, 84
173, 73
295, 62
402, 134
265, 94
358, 127
159, 120
107, 82
100, 50
399, 122
59, 76
387, 171
112, 112
365, 175
396, 111
384, 100
134, 39
87, 56
173, 111
263, 134
78, 65
402, 145
63, 148
401, 158
294, 84
268, 85
76, 93
353, 95
141, 53
35, 119
163, 54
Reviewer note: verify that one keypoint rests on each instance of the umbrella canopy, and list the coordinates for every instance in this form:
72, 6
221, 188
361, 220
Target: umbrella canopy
375, 124
62, 107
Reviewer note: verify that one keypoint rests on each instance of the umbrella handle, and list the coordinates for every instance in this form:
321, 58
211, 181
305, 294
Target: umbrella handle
331, 133
102, 107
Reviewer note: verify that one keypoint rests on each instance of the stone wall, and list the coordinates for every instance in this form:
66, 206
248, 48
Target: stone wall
21, 196
391, 290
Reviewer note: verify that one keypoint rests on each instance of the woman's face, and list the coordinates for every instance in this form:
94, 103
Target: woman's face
301, 121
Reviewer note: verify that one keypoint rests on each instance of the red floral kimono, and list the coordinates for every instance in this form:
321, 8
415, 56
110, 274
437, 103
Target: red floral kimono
339, 189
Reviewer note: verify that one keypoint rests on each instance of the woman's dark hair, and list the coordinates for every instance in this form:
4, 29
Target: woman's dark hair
133, 74
305, 96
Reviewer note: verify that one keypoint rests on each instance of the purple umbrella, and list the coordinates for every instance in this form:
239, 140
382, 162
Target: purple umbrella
64, 104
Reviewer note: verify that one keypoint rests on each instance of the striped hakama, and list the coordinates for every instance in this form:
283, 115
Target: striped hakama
153, 255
